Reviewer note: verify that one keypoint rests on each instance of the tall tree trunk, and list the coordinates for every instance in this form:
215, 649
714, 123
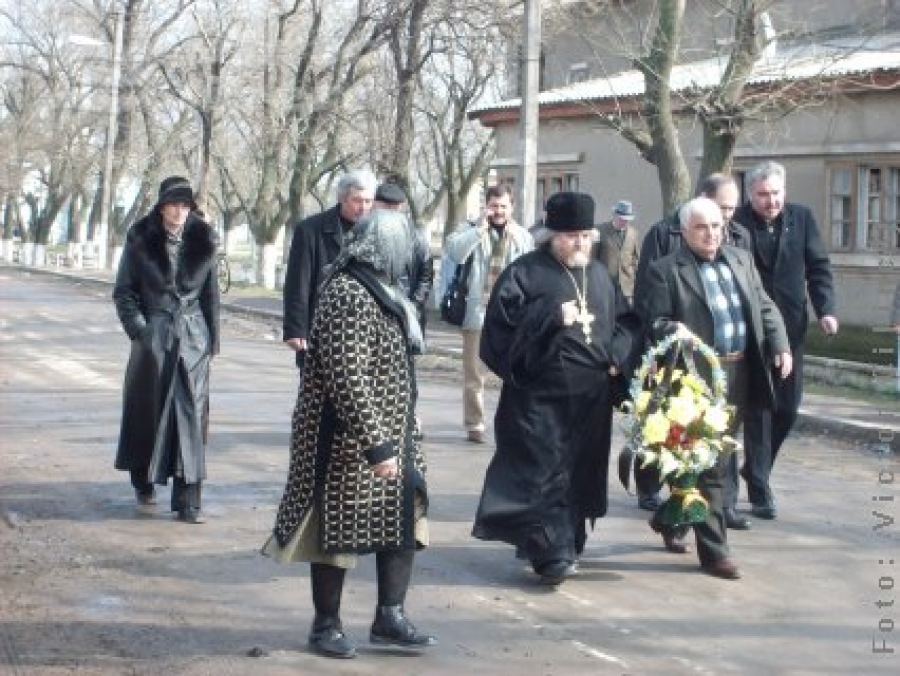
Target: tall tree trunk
722, 113
407, 63
674, 179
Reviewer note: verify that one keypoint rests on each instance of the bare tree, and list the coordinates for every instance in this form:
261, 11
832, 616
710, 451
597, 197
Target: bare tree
650, 35
196, 78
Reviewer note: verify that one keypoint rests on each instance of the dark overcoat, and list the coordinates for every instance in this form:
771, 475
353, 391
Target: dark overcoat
676, 294
171, 316
355, 409
554, 419
664, 238
801, 267
316, 242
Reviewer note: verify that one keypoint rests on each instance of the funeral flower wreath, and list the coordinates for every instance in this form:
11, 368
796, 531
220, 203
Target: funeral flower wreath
678, 422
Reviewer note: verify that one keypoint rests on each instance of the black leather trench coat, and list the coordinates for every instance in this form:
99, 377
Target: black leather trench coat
171, 314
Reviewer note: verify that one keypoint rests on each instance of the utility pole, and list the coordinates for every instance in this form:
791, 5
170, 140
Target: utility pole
528, 117
111, 130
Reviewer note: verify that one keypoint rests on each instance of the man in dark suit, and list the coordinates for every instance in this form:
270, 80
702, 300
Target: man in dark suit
792, 263
713, 293
316, 243
662, 239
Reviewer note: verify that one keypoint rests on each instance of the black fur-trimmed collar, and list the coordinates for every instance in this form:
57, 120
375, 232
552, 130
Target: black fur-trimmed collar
149, 237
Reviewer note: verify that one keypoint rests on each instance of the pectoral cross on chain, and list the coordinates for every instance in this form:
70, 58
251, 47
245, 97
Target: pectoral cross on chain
585, 318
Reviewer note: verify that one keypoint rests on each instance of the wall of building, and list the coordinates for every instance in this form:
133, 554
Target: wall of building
841, 130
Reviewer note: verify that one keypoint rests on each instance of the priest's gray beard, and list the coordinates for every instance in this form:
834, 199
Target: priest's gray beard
578, 259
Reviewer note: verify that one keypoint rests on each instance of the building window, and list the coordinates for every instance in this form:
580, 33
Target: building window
550, 183
578, 72
841, 210
864, 208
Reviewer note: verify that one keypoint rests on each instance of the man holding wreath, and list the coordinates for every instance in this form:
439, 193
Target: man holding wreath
713, 293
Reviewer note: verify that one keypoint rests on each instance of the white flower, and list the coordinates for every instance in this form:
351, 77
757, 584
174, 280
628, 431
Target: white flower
702, 454
667, 463
717, 418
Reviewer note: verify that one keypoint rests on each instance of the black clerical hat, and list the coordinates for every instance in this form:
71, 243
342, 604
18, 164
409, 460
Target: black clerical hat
570, 211
390, 193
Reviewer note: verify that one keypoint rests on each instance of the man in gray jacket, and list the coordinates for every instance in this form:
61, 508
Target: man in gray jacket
494, 241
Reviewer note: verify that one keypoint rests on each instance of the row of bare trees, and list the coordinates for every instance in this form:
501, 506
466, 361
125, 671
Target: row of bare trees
262, 104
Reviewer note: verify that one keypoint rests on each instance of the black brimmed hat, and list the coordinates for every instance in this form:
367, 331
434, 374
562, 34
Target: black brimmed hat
176, 189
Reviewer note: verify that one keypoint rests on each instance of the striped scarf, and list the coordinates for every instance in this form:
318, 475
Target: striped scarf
499, 244
729, 326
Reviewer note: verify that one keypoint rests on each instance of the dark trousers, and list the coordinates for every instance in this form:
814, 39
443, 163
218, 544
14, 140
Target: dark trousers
184, 495
646, 479
140, 481
737, 376
711, 535
718, 485
765, 431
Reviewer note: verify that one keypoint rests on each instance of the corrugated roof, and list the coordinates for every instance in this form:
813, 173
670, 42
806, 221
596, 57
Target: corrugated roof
834, 58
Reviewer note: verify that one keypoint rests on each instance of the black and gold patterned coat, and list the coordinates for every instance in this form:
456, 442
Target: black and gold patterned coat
354, 410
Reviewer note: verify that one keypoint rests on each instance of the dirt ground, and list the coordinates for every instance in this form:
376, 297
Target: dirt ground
90, 584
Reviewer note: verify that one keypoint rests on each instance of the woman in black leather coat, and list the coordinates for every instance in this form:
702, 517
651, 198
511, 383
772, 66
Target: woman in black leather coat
168, 302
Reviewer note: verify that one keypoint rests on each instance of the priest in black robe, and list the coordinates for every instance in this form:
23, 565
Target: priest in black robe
558, 332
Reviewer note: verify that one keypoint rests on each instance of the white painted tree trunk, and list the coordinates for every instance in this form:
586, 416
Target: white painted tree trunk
27, 253
40, 256
7, 246
75, 253
117, 252
268, 259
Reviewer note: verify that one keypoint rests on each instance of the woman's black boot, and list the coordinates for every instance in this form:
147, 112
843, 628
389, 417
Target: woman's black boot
327, 635
391, 626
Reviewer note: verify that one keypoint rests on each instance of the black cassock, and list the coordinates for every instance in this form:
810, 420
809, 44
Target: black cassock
553, 423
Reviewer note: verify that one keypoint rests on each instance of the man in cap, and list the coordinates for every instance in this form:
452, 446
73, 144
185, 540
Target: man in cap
419, 277
618, 245
556, 331
316, 243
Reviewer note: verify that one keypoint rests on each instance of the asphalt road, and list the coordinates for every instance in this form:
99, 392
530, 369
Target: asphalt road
89, 585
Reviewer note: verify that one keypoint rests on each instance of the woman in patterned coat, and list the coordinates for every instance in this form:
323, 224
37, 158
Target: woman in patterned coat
356, 482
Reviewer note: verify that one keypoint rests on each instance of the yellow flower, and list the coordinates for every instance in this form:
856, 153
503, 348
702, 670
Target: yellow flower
691, 381
656, 428
676, 375
641, 404
717, 418
682, 409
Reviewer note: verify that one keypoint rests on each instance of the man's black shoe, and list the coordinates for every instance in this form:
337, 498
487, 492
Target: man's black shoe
145, 498
735, 521
723, 568
764, 512
190, 515
555, 572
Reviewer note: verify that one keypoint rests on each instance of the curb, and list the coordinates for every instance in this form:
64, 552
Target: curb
880, 438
